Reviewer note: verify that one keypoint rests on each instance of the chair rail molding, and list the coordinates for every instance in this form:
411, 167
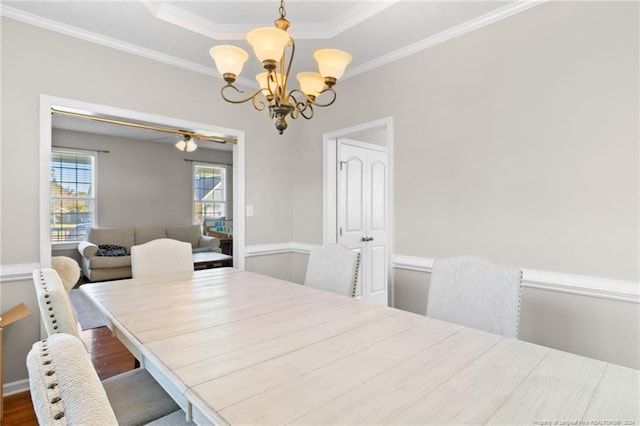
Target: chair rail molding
604, 288
277, 248
17, 272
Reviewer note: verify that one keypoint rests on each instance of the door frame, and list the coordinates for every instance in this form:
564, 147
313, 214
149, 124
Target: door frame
330, 186
47, 102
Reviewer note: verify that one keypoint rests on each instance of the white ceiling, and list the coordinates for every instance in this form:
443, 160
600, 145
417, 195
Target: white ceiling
182, 32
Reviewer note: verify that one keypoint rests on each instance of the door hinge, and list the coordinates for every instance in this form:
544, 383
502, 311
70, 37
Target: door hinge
341, 163
341, 231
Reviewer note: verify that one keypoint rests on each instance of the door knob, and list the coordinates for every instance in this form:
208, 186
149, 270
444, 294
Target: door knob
367, 238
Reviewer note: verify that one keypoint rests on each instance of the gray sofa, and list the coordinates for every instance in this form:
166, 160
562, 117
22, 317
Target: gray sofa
99, 265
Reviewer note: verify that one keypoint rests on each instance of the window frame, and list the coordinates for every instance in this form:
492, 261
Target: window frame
224, 202
61, 245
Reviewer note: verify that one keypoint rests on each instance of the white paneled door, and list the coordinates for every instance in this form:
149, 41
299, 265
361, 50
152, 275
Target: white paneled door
362, 213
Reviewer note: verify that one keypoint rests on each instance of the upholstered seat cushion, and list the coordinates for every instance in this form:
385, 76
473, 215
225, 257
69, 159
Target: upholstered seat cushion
137, 398
102, 262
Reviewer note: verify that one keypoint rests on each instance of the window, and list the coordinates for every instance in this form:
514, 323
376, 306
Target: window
72, 189
209, 192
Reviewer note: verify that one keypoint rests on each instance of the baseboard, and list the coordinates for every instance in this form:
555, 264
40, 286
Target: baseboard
18, 386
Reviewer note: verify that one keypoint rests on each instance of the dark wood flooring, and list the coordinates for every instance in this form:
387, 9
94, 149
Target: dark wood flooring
109, 357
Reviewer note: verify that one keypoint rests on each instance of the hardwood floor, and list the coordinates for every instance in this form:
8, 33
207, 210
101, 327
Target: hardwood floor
109, 357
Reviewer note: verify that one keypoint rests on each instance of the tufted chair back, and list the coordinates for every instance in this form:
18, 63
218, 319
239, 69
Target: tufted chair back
334, 268
65, 388
55, 307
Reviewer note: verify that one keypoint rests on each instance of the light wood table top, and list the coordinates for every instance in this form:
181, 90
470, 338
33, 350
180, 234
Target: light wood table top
241, 348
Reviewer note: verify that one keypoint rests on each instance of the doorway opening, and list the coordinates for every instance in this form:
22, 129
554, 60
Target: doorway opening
46, 126
377, 135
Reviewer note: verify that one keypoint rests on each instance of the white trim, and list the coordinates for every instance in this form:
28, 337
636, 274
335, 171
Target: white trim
218, 31
17, 272
13, 388
598, 287
182, 19
112, 43
441, 37
238, 169
67, 245
603, 288
278, 248
268, 249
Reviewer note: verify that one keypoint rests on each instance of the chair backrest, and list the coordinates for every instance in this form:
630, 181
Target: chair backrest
65, 388
477, 293
161, 256
68, 270
56, 310
334, 268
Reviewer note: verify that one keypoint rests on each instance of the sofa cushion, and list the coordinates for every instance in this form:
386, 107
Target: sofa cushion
144, 235
190, 234
115, 236
102, 262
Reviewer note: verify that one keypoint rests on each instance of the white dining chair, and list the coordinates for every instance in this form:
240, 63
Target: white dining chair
135, 396
65, 389
68, 270
334, 268
477, 293
160, 257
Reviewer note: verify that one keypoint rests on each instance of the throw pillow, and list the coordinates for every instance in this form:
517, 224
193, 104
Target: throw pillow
111, 250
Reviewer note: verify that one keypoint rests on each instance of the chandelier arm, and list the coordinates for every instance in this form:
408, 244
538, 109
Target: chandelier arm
302, 108
293, 52
257, 104
323, 105
307, 112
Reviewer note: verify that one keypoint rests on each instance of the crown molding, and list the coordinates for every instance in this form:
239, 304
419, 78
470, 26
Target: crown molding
91, 37
198, 24
451, 33
183, 19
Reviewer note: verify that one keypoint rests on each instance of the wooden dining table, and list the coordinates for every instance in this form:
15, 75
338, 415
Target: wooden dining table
235, 347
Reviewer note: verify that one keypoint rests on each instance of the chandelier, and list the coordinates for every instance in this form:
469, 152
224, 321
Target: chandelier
271, 45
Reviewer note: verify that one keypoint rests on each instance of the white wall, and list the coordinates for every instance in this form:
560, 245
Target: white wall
37, 61
518, 142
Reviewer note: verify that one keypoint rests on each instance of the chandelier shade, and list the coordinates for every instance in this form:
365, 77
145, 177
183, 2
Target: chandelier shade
229, 59
275, 49
332, 62
311, 83
268, 43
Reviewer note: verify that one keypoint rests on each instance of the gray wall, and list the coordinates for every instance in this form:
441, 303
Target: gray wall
518, 142
141, 183
63, 66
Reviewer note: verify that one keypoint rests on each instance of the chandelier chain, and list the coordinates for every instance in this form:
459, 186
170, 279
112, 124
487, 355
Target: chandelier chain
283, 12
